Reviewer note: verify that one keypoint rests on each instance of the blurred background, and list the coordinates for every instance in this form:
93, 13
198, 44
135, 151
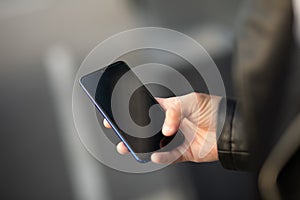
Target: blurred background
42, 44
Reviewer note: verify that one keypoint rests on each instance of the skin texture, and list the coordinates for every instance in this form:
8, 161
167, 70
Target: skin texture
195, 115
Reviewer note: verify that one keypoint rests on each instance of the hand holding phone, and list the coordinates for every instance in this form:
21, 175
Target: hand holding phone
195, 115
189, 123
130, 109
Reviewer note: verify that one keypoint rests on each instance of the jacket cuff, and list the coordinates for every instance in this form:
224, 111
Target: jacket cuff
232, 141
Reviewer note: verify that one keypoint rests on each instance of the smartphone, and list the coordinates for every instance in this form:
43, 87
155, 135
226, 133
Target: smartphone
131, 120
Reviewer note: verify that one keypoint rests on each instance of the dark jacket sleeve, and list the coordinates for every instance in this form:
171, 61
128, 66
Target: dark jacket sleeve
261, 68
233, 144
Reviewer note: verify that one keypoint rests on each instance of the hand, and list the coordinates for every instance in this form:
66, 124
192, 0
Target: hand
195, 115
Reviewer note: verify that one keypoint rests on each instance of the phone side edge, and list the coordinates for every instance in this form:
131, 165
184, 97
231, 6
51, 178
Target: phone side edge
109, 121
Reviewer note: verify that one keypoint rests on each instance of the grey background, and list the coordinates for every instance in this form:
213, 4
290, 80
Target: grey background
42, 43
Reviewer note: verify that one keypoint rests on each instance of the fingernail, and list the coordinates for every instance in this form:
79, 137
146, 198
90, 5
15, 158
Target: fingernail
166, 129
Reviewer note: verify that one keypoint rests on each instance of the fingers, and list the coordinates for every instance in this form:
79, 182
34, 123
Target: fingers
173, 115
122, 149
106, 124
172, 121
161, 102
173, 156
167, 103
179, 154
165, 157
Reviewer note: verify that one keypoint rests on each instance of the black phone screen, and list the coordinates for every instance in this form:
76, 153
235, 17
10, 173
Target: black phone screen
128, 106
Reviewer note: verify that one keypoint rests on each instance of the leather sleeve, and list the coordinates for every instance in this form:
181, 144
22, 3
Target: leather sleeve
233, 142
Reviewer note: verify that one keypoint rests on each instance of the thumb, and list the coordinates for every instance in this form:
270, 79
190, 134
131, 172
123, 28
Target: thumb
173, 115
172, 122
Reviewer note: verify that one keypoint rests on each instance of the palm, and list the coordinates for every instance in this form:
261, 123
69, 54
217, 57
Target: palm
198, 124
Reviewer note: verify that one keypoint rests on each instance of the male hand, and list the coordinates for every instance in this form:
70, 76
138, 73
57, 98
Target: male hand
195, 115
